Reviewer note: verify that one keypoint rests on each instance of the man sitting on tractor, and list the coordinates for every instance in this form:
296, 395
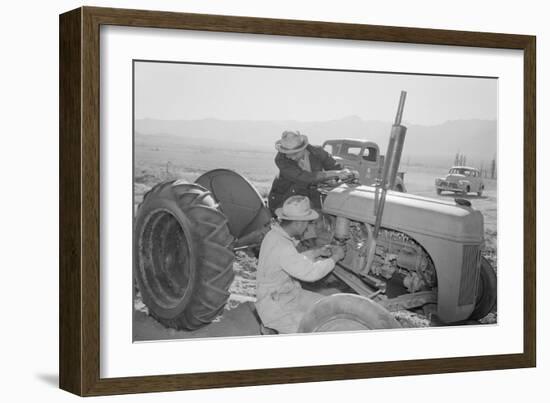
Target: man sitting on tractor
281, 301
301, 167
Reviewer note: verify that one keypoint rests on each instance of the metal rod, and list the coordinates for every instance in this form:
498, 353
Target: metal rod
354, 282
395, 146
398, 132
391, 163
245, 247
400, 108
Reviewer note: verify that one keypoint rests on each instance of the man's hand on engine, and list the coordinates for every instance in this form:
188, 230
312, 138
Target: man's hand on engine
338, 253
340, 174
325, 251
334, 178
327, 175
344, 174
347, 174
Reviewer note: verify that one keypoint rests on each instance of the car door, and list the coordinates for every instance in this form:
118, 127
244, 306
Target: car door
371, 164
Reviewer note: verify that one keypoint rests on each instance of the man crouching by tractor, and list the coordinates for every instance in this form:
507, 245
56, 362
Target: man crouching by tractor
281, 301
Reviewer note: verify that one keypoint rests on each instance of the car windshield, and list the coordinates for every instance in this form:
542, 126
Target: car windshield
329, 148
461, 171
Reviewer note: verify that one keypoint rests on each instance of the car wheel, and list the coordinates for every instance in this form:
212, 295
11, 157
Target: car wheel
438, 191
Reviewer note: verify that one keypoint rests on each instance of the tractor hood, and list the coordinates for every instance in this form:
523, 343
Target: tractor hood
408, 213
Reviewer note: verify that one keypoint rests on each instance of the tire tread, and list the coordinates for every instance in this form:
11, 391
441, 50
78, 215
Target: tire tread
212, 242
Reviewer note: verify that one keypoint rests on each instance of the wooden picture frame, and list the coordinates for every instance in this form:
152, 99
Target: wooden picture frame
79, 279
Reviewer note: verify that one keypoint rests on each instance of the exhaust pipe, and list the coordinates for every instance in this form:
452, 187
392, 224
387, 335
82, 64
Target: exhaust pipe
389, 174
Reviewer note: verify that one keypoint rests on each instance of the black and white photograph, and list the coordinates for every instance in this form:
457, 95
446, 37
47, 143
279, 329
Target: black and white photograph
242, 201
271, 200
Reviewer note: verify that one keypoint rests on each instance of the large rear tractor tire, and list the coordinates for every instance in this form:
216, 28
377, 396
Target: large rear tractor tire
183, 258
487, 291
344, 312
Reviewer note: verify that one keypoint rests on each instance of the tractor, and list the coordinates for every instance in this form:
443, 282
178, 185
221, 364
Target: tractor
402, 251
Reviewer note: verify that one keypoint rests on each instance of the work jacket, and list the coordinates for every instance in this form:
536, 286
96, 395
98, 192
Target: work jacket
292, 179
281, 301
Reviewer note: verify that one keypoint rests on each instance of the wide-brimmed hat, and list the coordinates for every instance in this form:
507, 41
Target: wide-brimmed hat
297, 208
291, 142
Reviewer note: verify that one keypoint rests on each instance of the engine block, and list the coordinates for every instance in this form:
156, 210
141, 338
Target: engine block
396, 256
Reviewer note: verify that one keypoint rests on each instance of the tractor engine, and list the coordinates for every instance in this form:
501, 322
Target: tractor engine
424, 245
397, 259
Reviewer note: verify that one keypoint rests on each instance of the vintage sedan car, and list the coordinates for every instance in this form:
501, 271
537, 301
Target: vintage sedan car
461, 179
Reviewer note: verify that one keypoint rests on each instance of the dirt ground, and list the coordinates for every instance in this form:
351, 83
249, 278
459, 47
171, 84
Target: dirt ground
239, 317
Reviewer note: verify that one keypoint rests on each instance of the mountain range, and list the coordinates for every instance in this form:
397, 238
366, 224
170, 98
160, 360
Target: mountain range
437, 144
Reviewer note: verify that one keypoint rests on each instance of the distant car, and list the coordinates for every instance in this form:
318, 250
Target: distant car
364, 157
461, 179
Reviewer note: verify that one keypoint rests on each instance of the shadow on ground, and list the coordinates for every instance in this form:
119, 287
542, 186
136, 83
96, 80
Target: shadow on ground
239, 321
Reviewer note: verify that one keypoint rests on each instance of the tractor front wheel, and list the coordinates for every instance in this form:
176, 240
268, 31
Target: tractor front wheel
342, 312
183, 258
487, 291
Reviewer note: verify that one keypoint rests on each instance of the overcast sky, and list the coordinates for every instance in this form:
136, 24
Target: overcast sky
171, 91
